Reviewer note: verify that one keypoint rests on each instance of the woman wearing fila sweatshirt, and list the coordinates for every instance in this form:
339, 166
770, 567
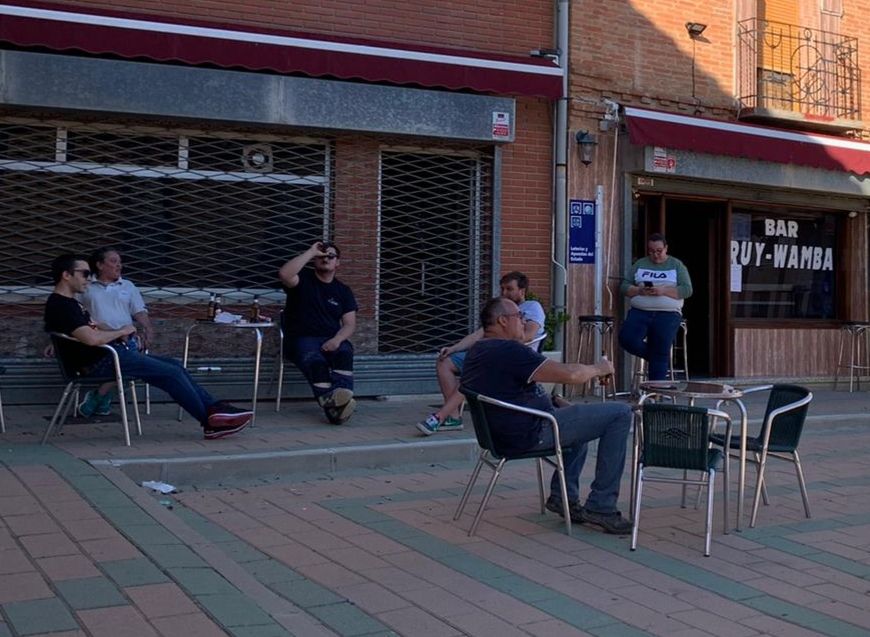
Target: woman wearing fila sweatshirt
655, 286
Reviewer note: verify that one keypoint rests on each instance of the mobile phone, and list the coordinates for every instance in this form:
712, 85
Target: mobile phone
647, 284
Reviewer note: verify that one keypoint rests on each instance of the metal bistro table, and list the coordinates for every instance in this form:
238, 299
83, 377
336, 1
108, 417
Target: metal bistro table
257, 329
693, 391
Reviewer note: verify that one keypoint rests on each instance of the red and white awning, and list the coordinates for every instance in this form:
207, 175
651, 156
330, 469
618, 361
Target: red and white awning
716, 137
63, 28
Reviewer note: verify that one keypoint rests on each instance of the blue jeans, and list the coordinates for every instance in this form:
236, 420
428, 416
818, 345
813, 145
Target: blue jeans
609, 423
162, 372
319, 367
650, 336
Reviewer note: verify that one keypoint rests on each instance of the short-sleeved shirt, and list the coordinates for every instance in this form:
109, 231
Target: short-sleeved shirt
534, 312
315, 308
113, 304
65, 315
503, 369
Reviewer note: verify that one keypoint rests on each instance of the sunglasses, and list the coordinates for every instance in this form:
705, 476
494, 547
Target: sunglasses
84, 273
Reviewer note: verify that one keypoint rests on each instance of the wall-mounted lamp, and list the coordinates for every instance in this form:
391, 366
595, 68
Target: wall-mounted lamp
695, 29
586, 142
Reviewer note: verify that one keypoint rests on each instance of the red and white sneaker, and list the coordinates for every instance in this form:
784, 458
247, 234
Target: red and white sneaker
225, 419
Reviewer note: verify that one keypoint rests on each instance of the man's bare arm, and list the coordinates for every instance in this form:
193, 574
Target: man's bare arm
571, 373
289, 272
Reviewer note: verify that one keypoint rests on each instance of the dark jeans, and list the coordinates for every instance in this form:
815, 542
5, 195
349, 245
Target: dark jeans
162, 372
319, 367
650, 336
609, 423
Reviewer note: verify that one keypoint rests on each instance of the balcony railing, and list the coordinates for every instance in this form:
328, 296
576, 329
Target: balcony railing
793, 72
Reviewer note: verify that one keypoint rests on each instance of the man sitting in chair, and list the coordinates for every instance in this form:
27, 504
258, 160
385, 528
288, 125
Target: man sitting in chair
450, 359
64, 314
501, 366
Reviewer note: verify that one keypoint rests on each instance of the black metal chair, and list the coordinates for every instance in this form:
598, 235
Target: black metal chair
779, 437
64, 352
493, 458
678, 437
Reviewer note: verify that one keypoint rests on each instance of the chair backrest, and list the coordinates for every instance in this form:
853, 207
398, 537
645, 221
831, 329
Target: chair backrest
675, 436
786, 427
537, 343
480, 421
69, 350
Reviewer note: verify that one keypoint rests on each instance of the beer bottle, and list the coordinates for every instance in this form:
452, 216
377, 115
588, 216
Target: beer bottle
217, 305
254, 316
209, 313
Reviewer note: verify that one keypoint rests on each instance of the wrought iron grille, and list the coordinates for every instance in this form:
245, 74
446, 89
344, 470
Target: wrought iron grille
195, 212
794, 68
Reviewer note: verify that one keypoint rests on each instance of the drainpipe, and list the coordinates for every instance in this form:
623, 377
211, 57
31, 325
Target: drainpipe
560, 175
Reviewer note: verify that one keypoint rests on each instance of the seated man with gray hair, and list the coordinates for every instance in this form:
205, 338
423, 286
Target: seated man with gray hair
500, 366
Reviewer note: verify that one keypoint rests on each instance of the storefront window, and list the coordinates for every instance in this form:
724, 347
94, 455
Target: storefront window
782, 265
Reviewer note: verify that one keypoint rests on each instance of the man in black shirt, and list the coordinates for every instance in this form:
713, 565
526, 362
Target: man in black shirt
64, 314
319, 318
501, 366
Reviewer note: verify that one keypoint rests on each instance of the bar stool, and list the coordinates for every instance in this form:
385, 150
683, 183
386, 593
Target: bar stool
681, 345
857, 333
588, 326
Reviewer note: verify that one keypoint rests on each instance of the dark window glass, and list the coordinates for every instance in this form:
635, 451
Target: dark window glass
783, 265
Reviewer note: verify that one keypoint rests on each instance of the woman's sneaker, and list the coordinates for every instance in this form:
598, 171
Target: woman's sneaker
452, 424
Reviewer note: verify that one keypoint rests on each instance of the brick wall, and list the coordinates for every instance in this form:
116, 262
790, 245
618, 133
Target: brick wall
527, 168
510, 26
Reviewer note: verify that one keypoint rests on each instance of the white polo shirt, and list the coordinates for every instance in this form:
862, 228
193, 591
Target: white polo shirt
113, 304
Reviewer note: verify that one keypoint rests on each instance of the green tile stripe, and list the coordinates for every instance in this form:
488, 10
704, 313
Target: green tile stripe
357, 510
165, 551
550, 601
336, 612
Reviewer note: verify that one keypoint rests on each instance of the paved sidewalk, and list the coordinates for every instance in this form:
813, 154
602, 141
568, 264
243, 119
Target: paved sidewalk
301, 528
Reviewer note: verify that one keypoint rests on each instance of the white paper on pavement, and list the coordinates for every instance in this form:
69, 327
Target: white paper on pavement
162, 487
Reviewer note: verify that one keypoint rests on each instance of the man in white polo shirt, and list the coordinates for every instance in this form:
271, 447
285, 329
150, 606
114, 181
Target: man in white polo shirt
113, 303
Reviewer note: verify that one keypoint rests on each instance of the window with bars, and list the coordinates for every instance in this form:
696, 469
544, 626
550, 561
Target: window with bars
195, 212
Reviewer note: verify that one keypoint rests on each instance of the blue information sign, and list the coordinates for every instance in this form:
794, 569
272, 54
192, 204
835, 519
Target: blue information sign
581, 231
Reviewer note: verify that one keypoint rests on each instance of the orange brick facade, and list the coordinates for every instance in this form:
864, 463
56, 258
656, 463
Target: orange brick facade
639, 54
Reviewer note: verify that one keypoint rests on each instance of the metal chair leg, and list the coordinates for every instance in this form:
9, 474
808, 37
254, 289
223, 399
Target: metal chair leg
471, 482
2, 417
708, 532
540, 472
122, 401
136, 406
495, 476
803, 485
62, 406
636, 507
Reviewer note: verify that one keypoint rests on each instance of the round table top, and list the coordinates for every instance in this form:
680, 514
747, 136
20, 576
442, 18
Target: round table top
691, 389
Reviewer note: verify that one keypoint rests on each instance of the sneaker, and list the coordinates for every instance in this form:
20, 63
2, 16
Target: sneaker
218, 429
610, 522
554, 504
104, 405
89, 405
429, 426
225, 419
452, 424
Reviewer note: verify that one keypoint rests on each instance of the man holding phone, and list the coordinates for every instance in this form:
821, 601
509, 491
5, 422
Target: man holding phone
319, 318
656, 286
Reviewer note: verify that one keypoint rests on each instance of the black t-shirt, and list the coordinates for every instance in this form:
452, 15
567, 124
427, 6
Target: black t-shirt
66, 315
502, 369
315, 308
